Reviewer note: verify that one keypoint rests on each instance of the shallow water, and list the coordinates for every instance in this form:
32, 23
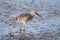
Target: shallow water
37, 28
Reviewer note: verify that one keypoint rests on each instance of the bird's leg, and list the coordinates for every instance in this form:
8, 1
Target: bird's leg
22, 31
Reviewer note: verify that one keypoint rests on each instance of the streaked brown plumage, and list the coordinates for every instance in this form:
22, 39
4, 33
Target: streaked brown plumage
25, 17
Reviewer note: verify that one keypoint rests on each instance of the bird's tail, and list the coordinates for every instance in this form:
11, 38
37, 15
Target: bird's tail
13, 19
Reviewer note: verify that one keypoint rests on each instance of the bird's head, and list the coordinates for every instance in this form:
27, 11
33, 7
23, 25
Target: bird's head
34, 12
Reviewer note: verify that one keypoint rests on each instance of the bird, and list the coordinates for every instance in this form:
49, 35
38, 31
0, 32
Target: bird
23, 18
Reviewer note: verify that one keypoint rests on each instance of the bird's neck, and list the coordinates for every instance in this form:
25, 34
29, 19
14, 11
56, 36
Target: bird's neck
32, 14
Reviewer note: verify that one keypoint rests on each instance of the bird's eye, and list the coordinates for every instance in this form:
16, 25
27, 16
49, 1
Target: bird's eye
22, 16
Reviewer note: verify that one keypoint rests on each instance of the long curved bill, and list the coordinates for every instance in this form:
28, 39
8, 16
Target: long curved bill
40, 16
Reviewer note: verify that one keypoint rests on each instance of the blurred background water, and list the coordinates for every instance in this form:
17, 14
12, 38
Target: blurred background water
36, 29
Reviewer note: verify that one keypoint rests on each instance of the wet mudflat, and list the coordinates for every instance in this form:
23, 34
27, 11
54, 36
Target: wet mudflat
37, 28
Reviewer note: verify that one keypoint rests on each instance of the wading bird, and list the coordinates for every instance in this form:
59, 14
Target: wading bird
25, 17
